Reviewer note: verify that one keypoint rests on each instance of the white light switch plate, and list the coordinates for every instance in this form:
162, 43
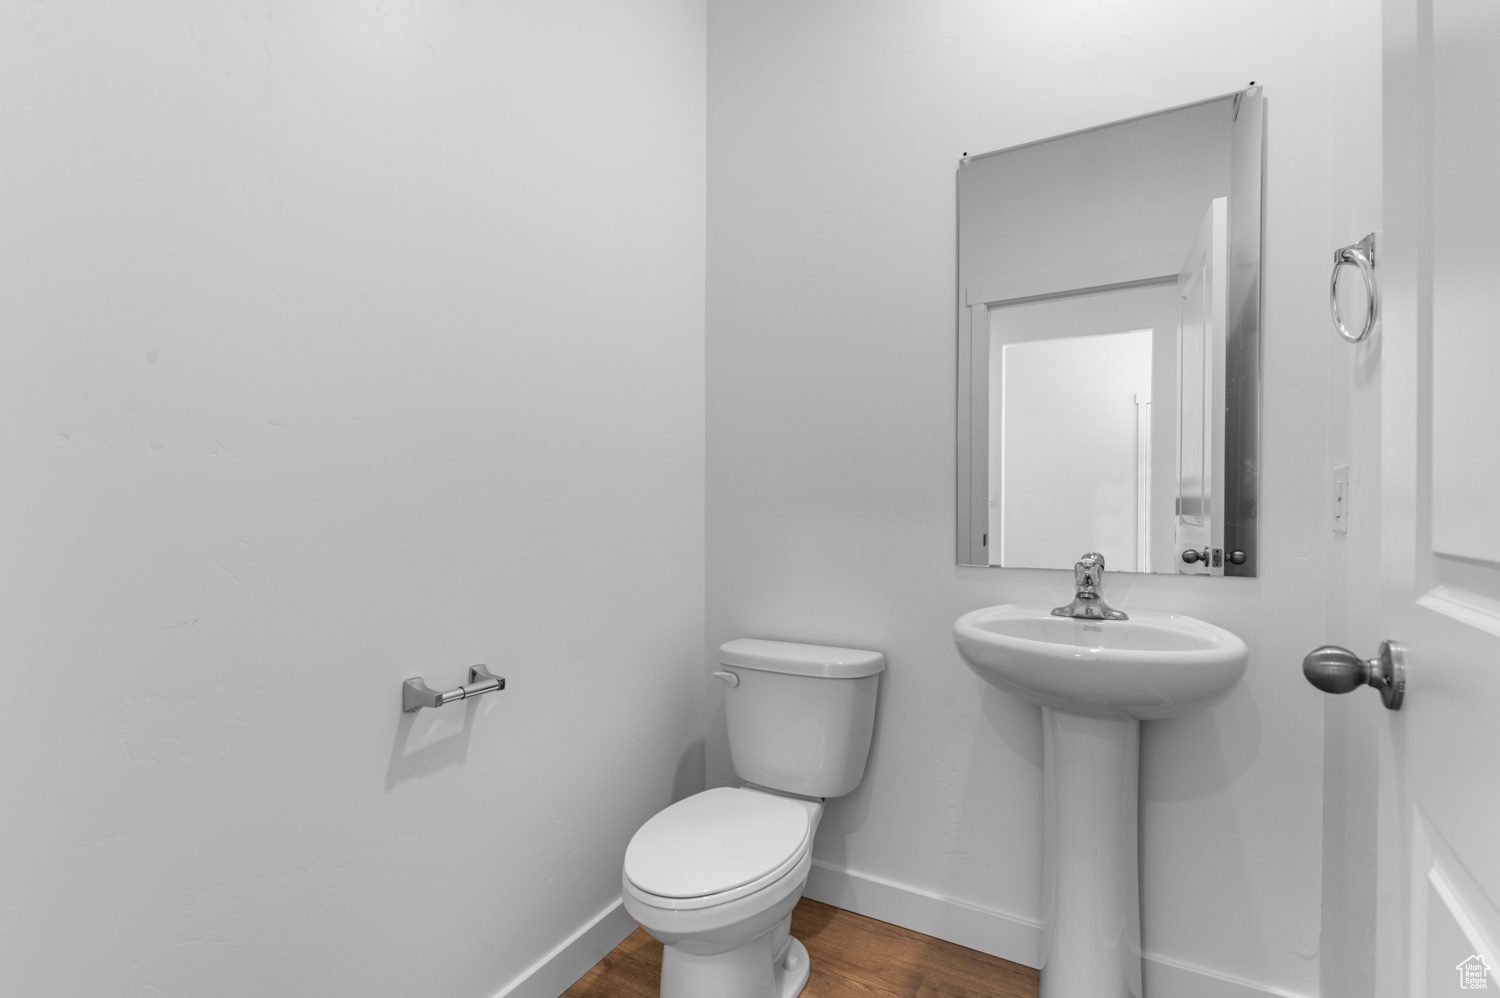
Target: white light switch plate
1340, 496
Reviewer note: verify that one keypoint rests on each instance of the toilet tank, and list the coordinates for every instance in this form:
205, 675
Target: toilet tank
800, 716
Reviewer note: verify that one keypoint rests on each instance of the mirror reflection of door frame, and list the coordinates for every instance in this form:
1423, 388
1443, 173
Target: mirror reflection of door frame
1203, 303
1143, 483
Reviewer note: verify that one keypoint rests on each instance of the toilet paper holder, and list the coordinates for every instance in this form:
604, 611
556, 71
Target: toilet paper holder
416, 694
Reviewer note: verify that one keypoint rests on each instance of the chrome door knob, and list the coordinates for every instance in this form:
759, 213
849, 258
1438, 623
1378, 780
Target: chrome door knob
1338, 670
1193, 557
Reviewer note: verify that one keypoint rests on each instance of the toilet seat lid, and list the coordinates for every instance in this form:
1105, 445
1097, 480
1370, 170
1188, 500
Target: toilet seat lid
716, 841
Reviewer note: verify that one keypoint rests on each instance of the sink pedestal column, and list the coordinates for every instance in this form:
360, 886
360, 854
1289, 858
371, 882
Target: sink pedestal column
1091, 911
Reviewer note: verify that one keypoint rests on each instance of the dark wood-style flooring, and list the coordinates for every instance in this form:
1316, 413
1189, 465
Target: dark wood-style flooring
852, 957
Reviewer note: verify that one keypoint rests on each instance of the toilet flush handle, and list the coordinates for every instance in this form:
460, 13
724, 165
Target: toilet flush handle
729, 677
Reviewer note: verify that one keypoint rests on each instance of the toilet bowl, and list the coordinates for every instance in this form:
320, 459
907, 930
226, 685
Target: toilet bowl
715, 877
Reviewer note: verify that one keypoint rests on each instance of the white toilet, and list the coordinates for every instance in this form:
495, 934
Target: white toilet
715, 877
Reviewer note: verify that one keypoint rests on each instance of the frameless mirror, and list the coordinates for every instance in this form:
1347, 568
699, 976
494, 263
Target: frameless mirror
1109, 304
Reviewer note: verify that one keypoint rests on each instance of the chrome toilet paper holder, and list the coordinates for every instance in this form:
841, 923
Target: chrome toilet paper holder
416, 694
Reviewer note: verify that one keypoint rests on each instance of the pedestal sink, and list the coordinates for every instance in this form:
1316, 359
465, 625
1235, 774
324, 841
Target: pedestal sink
1096, 680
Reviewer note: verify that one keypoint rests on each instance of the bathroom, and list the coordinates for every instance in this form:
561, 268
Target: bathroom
346, 342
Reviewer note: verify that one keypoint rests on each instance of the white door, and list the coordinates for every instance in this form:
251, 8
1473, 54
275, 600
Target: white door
1429, 415
1202, 287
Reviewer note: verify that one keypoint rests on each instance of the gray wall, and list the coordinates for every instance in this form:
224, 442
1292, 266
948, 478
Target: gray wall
339, 340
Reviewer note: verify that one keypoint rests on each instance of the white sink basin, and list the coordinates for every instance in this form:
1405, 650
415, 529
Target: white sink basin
1152, 666
1096, 681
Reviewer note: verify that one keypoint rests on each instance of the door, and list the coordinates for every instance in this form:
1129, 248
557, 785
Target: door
1429, 415
1202, 287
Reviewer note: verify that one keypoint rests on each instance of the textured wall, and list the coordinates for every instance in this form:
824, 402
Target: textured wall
341, 342
834, 132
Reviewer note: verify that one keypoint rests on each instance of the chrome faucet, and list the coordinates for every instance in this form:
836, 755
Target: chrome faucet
1088, 603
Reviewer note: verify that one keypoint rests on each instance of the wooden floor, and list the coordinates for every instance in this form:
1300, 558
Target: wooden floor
852, 957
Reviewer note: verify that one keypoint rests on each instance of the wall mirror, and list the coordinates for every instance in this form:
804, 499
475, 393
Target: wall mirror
1109, 310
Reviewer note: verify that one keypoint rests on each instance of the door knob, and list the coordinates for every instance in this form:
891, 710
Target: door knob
1338, 670
1193, 557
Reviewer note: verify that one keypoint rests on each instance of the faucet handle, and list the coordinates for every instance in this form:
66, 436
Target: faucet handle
1088, 603
1089, 571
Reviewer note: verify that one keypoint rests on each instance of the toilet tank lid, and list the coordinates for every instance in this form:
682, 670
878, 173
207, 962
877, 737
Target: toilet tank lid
800, 659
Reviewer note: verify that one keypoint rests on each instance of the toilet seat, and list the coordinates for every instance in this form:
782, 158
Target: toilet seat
716, 846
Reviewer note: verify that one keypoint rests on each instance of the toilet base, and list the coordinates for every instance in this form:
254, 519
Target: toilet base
792, 970
751, 971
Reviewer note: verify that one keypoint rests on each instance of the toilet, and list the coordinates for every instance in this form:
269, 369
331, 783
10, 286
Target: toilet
715, 877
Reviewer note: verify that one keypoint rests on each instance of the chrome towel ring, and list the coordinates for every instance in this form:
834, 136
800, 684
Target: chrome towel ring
1361, 255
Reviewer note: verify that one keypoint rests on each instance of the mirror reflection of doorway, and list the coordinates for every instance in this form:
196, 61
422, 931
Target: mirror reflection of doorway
1075, 414
1103, 422
1082, 429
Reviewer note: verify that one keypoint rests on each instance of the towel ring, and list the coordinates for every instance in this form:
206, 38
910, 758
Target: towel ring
1361, 255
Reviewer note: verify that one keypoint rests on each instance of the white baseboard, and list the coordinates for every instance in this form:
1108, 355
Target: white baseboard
556, 972
1170, 978
1010, 937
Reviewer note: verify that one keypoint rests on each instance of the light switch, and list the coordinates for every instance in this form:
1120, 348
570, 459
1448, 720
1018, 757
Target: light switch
1340, 512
